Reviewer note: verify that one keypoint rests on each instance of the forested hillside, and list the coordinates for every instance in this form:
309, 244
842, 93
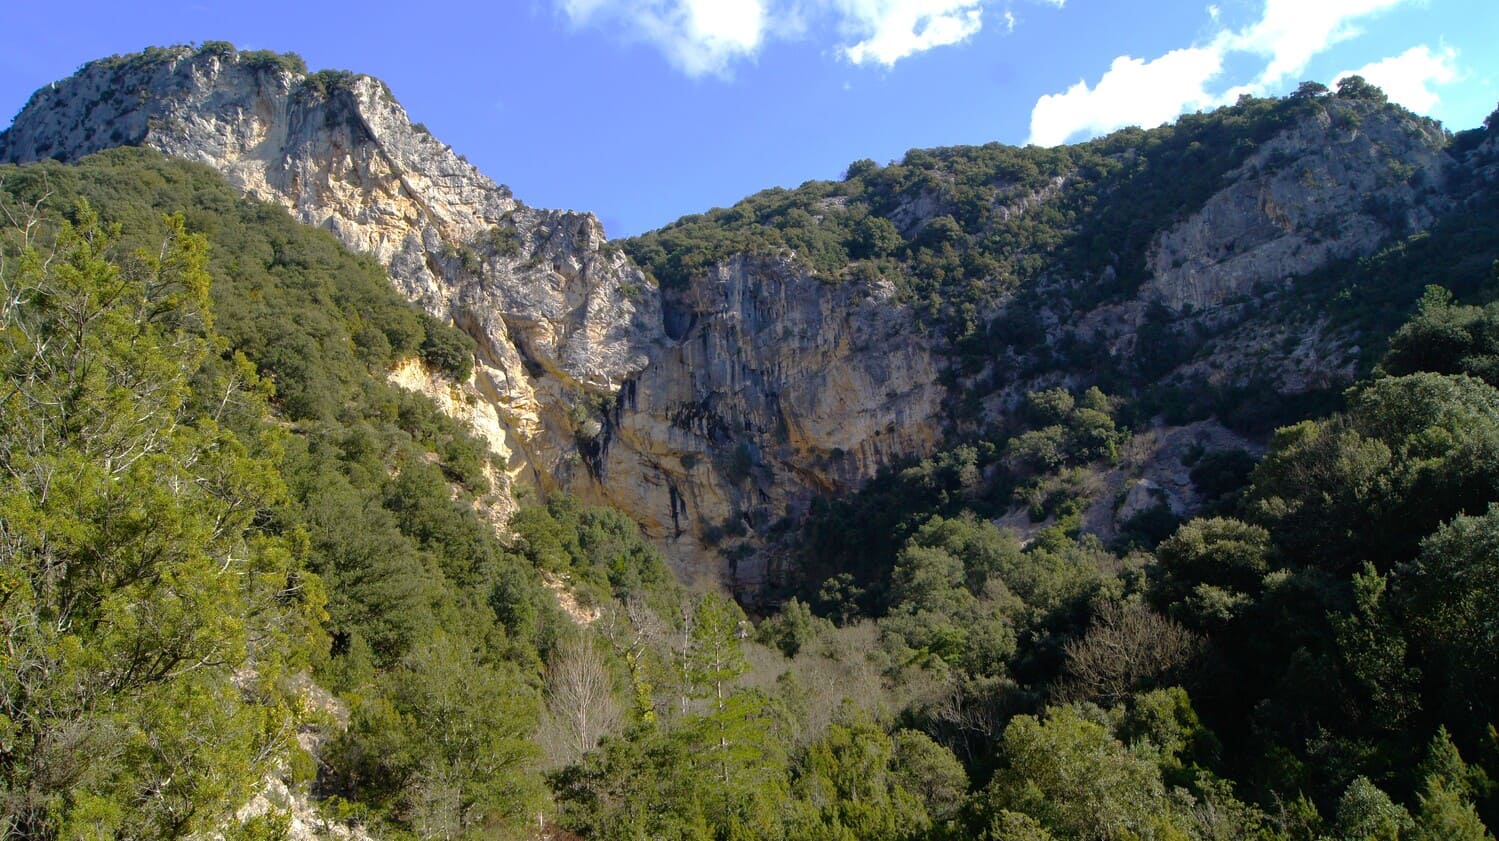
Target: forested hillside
234, 559
210, 490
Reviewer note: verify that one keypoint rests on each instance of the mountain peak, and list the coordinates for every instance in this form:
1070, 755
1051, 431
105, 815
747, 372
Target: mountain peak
551, 308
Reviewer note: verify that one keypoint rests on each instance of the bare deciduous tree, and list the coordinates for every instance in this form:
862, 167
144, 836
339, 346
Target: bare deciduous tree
1129, 646
581, 707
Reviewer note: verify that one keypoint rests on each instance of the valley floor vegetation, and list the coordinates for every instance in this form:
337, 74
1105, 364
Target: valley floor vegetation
212, 503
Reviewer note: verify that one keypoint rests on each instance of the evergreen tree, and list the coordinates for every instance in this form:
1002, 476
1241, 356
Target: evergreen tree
150, 617
1365, 813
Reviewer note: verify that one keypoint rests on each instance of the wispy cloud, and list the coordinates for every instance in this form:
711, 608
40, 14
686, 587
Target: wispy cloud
1291, 32
699, 37
1132, 92
890, 30
708, 37
1287, 36
1408, 78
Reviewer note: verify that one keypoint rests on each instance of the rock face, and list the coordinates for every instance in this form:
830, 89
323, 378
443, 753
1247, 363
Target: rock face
775, 386
555, 314
1335, 185
735, 403
1341, 183
715, 412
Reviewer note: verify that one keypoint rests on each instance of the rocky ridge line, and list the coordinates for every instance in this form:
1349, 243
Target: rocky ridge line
590, 386
719, 410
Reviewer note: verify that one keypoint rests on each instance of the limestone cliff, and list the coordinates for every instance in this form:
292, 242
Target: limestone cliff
1345, 180
750, 393
712, 410
775, 386
555, 315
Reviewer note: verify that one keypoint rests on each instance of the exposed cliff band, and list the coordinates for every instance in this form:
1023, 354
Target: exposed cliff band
725, 405
589, 392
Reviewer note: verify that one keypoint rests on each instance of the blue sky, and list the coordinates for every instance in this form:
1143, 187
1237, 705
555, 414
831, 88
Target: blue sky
645, 110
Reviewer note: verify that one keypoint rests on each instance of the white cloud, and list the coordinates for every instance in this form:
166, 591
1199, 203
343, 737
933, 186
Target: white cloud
1132, 92
890, 30
699, 37
1291, 32
1408, 78
1136, 92
707, 37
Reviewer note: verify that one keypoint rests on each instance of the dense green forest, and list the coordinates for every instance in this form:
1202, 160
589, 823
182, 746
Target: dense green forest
211, 493
230, 551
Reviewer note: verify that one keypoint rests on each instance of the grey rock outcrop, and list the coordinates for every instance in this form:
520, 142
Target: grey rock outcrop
1342, 182
1332, 186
